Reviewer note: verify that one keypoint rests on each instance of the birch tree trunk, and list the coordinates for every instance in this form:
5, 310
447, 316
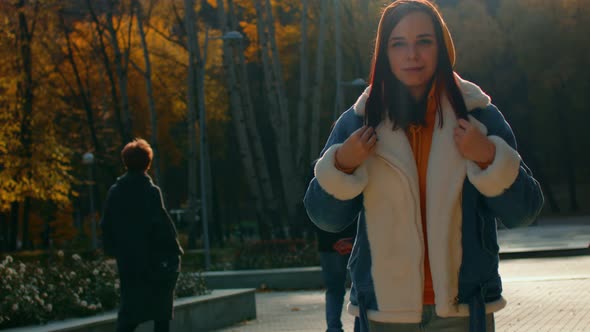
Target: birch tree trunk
277, 72
302, 104
25, 97
360, 30
239, 124
147, 73
317, 91
262, 169
205, 169
193, 49
289, 181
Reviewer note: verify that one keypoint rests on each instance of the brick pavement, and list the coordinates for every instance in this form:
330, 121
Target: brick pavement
544, 294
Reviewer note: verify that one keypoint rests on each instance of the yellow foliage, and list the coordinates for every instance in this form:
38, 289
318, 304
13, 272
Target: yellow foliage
212, 3
42, 171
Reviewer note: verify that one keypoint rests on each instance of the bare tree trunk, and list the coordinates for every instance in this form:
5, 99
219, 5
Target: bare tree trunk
205, 169
290, 183
239, 124
147, 73
25, 98
339, 104
125, 137
193, 47
277, 72
359, 28
82, 91
14, 218
4, 232
317, 91
270, 200
302, 105
121, 61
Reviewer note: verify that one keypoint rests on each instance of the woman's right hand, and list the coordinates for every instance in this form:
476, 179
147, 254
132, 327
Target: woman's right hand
356, 149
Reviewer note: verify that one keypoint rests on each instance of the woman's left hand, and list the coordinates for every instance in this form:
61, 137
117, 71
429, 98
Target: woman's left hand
473, 144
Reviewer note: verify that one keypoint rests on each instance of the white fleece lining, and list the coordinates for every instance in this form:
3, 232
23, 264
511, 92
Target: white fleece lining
444, 183
498, 176
472, 94
394, 226
336, 183
396, 241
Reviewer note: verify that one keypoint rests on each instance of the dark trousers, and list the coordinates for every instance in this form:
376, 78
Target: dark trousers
334, 274
159, 326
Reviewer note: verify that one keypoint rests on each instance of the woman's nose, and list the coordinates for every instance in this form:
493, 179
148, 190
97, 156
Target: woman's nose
412, 52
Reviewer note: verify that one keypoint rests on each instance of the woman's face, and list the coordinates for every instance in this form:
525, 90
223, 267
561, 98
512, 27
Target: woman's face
412, 52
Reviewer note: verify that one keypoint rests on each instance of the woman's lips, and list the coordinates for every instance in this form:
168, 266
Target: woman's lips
413, 69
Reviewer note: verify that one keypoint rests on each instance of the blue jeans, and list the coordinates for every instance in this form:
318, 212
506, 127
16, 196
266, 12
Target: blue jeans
431, 323
334, 273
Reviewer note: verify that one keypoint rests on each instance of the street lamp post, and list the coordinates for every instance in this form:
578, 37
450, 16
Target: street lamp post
357, 82
88, 159
204, 151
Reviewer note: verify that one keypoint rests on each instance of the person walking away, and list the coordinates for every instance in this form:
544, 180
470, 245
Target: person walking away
140, 234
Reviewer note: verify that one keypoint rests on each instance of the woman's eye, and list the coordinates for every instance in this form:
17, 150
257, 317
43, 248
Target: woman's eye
425, 42
398, 44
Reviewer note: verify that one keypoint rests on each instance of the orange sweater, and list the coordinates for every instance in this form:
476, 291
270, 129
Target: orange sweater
420, 138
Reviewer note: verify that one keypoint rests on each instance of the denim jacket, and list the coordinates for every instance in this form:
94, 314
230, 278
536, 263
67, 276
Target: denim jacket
464, 203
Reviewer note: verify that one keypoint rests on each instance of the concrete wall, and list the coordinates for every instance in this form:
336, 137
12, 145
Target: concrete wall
220, 309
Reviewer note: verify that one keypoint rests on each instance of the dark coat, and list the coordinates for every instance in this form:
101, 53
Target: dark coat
326, 240
137, 230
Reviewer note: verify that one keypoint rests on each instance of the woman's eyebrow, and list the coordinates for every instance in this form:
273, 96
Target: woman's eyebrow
422, 35
425, 35
396, 38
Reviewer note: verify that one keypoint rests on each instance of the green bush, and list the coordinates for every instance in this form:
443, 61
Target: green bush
190, 284
62, 286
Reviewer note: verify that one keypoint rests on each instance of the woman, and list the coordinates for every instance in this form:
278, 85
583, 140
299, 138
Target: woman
138, 232
427, 164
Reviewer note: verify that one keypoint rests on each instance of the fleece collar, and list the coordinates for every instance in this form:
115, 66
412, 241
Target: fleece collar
472, 94
394, 146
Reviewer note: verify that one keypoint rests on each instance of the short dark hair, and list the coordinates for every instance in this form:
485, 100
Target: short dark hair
137, 155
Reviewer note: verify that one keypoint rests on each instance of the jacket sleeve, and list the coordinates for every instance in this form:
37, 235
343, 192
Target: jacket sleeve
334, 199
107, 224
163, 227
509, 189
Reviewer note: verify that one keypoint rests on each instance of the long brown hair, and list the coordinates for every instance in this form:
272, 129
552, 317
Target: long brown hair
386, 88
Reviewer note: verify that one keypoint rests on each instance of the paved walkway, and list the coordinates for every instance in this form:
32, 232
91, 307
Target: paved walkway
544, 294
